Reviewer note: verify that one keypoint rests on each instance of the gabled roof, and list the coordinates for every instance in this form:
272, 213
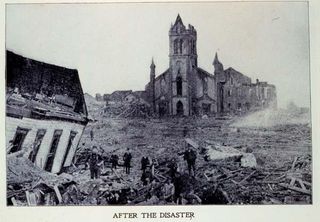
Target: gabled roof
203, 73
165, 72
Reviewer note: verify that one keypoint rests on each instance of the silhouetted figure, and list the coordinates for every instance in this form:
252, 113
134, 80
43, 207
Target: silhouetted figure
127, 161
190, 156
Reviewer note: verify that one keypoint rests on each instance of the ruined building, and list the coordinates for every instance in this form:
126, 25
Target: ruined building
45, 112
186, 89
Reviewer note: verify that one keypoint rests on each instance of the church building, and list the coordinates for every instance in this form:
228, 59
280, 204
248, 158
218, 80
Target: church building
186, 89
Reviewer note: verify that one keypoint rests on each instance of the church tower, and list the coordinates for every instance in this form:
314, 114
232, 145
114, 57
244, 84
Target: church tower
182, 66
220, 81
152, 85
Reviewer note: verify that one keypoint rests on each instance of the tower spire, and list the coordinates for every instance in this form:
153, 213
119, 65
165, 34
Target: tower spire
216, 60
218, 66
152, 66
178, 20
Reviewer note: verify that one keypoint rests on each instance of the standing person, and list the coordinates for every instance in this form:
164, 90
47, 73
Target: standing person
95, 162
144, 163
91, 134
190, 156
173, 166
127, 161
114, 161
178, 186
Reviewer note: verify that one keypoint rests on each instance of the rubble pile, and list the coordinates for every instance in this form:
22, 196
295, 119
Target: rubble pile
126, 110
235, 164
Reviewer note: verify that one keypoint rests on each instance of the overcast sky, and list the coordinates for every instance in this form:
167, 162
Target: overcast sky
111, 45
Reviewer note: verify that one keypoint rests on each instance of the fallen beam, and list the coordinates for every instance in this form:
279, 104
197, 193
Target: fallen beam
297, 189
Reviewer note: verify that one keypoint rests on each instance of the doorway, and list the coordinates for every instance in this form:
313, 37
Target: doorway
179, 108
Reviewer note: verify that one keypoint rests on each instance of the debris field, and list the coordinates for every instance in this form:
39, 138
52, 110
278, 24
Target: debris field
237, 163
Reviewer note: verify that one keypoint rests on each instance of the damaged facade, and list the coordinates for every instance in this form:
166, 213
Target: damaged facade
186, 89
45, 112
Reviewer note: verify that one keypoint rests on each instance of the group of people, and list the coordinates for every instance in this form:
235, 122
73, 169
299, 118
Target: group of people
96, 161
172, 191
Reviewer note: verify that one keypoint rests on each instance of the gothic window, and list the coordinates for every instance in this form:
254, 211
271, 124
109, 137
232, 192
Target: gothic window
176, 46
231, 80
179, 86
180, 46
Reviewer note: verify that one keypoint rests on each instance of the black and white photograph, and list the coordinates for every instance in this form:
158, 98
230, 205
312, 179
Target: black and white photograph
182, 103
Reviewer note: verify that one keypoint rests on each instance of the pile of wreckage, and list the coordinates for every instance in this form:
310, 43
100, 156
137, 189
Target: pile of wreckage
226, 175
126, 110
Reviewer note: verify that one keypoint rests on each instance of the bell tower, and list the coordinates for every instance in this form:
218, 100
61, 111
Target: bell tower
182, 65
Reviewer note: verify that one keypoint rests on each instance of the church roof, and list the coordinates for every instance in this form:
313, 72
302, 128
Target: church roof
204, 73
165, 72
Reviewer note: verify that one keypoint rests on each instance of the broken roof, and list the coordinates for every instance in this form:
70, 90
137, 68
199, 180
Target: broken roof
41, 83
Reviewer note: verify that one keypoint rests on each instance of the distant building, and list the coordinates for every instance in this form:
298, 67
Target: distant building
45, 112
186, 89
99, 97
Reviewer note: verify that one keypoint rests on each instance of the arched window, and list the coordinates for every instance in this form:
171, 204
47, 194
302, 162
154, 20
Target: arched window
179, 86
176, 46
180, 45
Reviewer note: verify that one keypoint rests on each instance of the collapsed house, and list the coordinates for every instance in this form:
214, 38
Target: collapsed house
45, 112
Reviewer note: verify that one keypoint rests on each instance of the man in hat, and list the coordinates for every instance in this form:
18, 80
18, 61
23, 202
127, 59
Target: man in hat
95, 162
144, 163
127, 161
190, 156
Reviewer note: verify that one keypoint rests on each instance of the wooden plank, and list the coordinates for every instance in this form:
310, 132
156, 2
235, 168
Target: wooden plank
297, 189
14, 202
293, 180
31, 199
301, 184
236, 183
57, 191
247, 177
294, 163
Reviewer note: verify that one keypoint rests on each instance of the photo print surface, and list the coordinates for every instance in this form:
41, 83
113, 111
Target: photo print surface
158, 104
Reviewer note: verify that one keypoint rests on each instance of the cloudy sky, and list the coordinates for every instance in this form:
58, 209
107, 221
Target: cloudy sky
111, 45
